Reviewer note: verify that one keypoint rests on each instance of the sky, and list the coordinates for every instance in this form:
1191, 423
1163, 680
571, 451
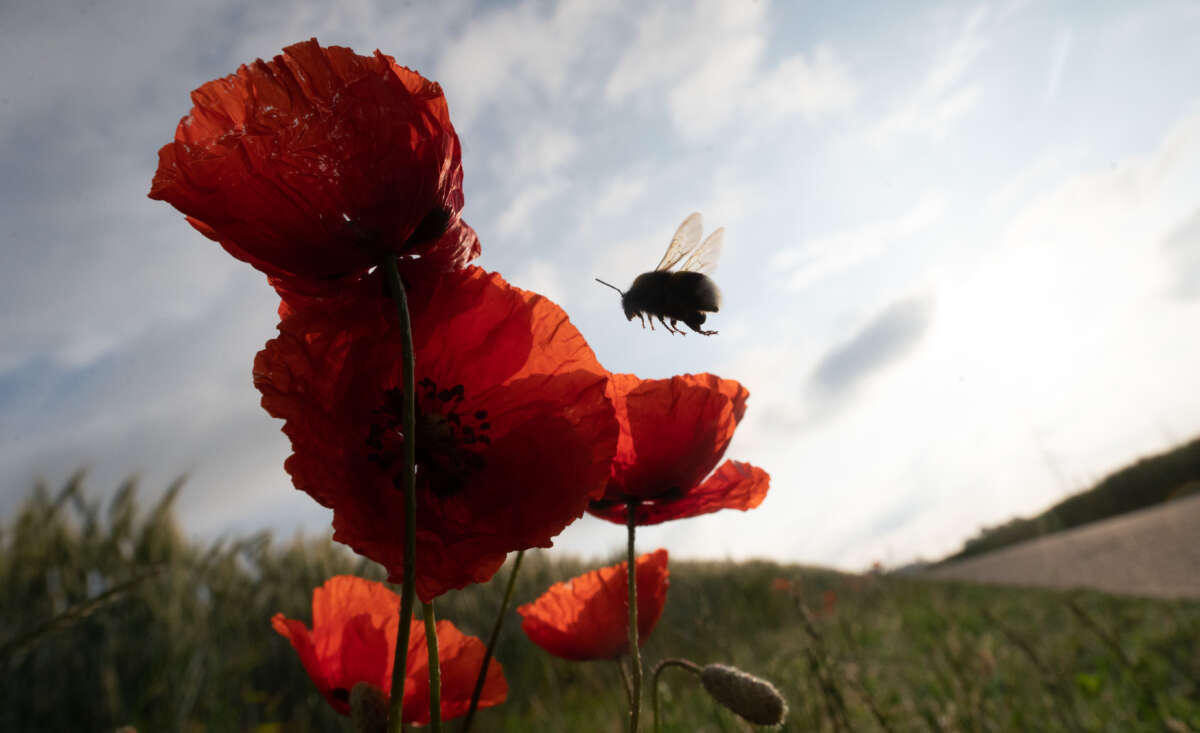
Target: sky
961, 274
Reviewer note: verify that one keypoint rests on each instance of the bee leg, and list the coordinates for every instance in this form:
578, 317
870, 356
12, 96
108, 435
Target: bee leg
643, 321
676, 329
651, 323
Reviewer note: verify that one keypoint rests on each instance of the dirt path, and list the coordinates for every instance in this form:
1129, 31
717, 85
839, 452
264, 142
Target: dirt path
1152, 552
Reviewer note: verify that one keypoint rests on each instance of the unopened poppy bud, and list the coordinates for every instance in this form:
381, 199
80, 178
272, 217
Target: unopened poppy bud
368, 708
754, 699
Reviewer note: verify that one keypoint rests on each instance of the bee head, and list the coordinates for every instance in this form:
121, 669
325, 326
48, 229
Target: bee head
629, 311
628, 307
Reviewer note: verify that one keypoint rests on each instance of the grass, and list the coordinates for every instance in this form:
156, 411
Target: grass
111, 617
1152, 480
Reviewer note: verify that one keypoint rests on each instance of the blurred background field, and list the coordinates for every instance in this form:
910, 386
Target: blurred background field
112, 617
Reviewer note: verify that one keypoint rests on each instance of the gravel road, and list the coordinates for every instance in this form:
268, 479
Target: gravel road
1152, 552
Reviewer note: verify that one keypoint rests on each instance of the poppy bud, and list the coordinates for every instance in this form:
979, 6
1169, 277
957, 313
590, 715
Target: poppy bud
754, 699
368, 708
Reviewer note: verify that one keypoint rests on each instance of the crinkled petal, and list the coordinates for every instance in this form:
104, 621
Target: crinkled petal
587, 617
315, 164
674, 432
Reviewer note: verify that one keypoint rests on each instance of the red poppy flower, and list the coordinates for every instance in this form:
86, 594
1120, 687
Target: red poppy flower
588, 617
514, 431
673, 433
312, 166
353, 640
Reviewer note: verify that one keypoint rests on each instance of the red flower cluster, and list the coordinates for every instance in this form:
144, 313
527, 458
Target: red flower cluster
673, 433
314, 165
321, 165
587, 617
353, 639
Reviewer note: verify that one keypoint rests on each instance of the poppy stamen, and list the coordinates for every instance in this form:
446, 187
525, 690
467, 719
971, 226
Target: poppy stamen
447, 441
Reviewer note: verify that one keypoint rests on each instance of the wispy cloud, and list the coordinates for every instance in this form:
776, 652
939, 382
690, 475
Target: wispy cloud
525, 203
539, 151
945, 94
615, 197
712, 65
545, 278
520, 54
533, 166
833, 254
1062, 47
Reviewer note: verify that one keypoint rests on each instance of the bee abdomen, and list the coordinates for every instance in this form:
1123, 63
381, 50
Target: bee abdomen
697, 290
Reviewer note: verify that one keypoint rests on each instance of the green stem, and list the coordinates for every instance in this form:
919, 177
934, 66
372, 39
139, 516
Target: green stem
635, 654
435, 668
624, 682
396, 288
681, 663
491, 645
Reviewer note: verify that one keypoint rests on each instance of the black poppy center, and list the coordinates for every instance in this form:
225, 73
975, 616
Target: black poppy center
450, 443
429, 229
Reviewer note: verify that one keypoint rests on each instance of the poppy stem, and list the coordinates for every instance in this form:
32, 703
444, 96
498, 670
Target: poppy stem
491, 645
396, 288
635, 655
683, 663
435, 668
625, 682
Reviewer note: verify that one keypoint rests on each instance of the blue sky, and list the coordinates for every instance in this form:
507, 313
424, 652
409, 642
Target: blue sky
961, 275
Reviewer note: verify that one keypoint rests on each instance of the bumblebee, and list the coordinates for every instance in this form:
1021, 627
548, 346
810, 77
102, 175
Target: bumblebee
683, 295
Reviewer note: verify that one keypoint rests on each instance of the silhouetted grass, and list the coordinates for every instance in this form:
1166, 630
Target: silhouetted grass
1149, 481
112, 617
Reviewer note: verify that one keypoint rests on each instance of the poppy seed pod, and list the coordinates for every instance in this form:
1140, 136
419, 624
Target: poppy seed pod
753, 698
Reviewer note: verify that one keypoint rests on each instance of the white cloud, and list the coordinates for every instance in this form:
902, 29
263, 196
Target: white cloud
804, 87
836, 253
619, 194
532, 166
711, 65
538, 152
542, 276
519, 54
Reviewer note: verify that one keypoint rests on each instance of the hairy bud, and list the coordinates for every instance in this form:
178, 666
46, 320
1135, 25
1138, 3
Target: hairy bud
368, 708
754, 699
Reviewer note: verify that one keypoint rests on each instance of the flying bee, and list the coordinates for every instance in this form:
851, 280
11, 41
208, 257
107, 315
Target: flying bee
678, 295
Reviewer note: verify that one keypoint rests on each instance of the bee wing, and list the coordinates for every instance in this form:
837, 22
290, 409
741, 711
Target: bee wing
684, 241
704, 259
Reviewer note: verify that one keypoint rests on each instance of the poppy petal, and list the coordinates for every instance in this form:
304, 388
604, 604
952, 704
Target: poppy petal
735, 485
674, 431
313, 165
353, 640
587, 617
